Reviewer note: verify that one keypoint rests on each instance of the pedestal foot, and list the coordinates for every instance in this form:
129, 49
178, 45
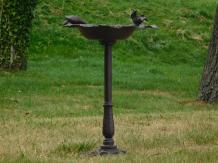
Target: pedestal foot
107, 150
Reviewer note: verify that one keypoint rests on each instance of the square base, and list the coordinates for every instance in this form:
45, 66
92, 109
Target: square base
107, 150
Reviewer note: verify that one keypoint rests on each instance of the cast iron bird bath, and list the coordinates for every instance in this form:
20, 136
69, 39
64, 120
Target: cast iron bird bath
107, 35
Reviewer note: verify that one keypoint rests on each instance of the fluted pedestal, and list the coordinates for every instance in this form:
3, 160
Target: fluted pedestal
108, 146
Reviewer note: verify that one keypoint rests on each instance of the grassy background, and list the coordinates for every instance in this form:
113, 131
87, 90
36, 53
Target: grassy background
52, 112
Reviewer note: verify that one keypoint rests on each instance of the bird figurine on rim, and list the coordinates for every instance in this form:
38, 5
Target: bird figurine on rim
72, 20
138, 19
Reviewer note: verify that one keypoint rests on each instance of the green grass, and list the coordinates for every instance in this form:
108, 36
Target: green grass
53, 111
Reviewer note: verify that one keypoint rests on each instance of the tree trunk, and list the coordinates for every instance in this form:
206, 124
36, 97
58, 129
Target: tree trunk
15, 23
209, 82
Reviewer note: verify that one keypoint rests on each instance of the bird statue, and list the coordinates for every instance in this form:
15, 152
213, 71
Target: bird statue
136, 19
71, 20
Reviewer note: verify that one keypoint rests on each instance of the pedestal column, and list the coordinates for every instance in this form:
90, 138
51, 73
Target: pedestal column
108, 122
108, 146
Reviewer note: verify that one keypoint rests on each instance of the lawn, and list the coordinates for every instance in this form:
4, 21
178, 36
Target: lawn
53, 111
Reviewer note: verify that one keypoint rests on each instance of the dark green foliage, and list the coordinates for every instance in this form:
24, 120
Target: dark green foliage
16, 18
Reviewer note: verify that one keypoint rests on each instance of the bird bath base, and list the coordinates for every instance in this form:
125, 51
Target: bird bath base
108, 147
105, 150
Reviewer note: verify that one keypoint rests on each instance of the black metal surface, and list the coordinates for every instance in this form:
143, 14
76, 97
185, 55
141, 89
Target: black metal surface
107, 151
108, 122
106, 32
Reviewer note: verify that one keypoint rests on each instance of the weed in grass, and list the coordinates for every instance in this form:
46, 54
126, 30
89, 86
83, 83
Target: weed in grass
204, 134
65, 149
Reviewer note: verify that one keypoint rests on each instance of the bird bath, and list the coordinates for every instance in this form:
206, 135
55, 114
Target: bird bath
107, 35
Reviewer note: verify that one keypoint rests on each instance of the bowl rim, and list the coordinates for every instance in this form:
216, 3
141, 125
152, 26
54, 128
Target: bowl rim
104, 25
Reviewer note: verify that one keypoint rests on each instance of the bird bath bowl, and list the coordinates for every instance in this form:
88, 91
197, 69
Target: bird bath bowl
107, 35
